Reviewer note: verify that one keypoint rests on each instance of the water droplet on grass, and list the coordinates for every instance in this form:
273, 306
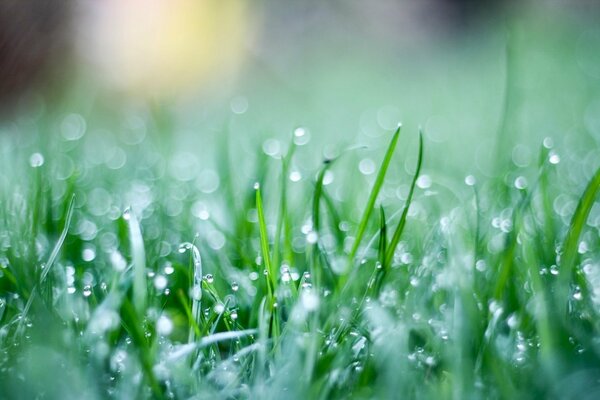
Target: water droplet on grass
219, 308
424, 182
310, 301
521, 182
160, 282
235, 286
548, 142
164, 326
169, 269
209, 278
366, 166
470, 180
36, 160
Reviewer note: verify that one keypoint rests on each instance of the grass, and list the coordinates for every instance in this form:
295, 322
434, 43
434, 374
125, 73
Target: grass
298, 269
471, 301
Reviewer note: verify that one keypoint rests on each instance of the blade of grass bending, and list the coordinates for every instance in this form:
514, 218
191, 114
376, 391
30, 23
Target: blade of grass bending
400, 228
374, 192
285, 167
51, 260
571, 243
61, 239
133, 325
316, 211
138, 257
382, 237
195, 282
264, 245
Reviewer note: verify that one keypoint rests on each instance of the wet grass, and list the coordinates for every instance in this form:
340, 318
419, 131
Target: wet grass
132, 282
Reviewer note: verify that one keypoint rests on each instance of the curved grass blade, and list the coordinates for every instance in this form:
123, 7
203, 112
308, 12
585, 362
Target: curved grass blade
374, 192
316, 214
138, 256
51, 260
282, 215
400, 228
382, 237
569, 256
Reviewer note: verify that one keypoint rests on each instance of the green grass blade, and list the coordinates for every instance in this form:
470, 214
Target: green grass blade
400, 228
374, 192
316, 209
61, 240
382, 250
138, 257
282, 215
569, 256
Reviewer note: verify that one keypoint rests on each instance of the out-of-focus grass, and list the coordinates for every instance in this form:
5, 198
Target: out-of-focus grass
178, 276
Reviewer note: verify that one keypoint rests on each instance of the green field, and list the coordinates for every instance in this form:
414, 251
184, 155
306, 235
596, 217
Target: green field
292, 241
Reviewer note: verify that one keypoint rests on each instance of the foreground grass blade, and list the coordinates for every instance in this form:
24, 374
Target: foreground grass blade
569, 256
272, 276
400, 228
282, 215
138, 257
374, 192
50, 262
61, 240
316, 212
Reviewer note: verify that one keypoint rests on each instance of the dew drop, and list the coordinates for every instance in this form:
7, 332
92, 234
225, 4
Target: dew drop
295, 176
235, 286
164, 326
169, 269
521, 183
312, 237
553, 158
209, 278
36, 160
219, 308
310, 301
366, 166
548, 142
160, 282
470, 180
424, 182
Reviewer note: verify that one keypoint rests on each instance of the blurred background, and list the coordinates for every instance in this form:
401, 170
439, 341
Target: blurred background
476, 75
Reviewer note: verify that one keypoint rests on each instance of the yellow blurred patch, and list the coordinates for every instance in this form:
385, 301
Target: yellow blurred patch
163, 47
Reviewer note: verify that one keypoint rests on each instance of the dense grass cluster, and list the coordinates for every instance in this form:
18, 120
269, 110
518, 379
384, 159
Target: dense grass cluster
129, 273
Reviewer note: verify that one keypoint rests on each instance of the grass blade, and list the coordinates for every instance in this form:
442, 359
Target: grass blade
569, 256
374, 192
400, 228
138, 256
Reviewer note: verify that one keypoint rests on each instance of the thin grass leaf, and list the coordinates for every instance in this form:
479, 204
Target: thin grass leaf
264, 238
195, 273
316, 209
382, 237
49, 263
138, 256
374, 192
571, 243
400, 228
282, 215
